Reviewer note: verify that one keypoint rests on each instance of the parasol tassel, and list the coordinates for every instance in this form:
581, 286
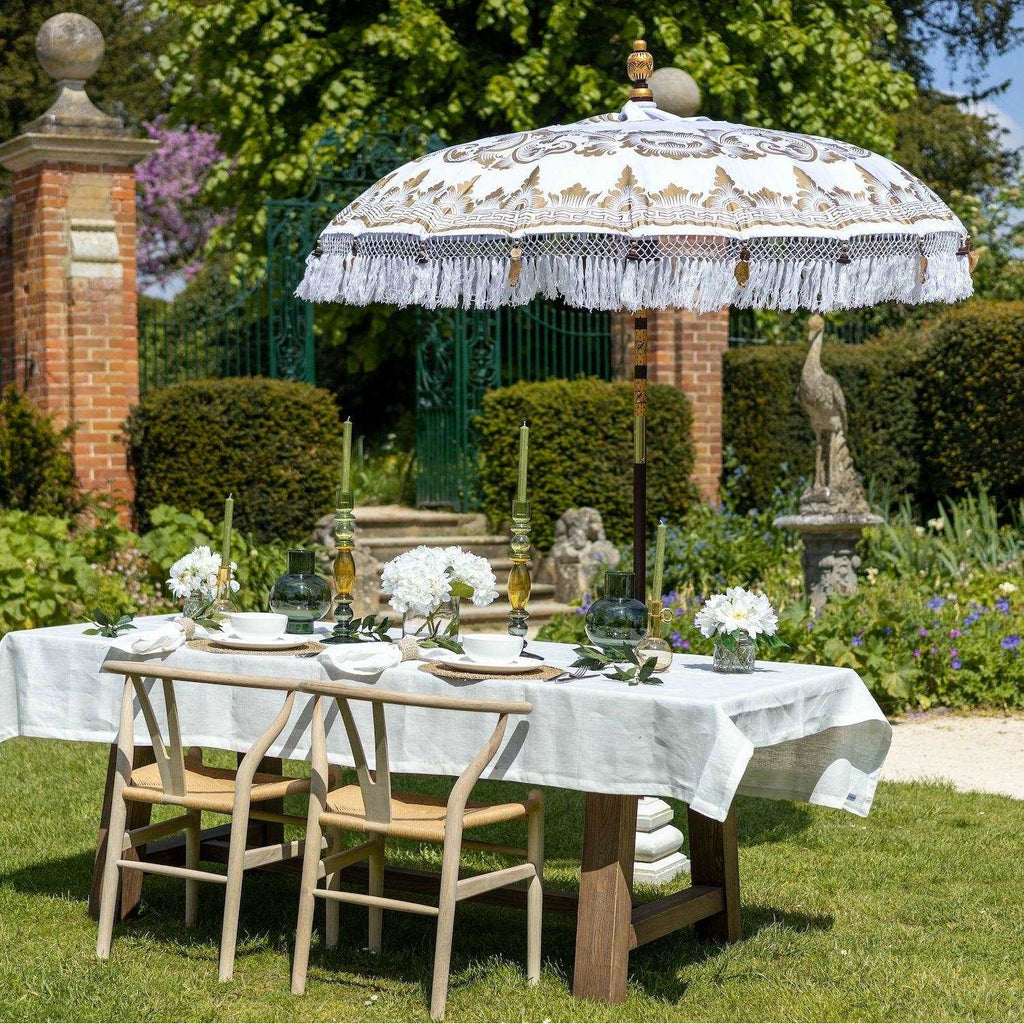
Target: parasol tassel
515, 266
743, 268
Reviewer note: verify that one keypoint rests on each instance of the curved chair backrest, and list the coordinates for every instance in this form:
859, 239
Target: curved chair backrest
169, 754
375, 786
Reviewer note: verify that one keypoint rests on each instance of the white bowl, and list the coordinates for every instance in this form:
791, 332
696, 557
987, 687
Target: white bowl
258, 625
492, 648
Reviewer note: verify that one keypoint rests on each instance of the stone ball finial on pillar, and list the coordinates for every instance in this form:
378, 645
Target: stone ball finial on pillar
70, 47
675, 91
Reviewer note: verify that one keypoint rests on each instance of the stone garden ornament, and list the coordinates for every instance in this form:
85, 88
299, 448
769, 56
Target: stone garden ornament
644, 209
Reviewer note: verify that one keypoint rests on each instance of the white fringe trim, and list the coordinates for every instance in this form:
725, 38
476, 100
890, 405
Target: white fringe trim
614, 283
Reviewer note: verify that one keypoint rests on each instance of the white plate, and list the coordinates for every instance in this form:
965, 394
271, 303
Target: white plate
464, 663
269, 643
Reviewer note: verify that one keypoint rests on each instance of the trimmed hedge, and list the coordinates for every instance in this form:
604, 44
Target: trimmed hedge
972, 400
763, 423
36, 471
934, 409
274, 444
581, 452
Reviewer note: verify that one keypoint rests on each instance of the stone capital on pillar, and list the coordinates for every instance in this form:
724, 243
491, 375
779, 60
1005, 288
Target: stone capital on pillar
71, 339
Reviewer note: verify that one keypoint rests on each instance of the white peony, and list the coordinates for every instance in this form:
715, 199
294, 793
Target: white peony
737, 610
419, 581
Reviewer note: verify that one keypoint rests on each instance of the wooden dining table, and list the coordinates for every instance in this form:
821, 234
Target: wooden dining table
788, 731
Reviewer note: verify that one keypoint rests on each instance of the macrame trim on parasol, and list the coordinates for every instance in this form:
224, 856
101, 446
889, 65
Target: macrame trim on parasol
608, 271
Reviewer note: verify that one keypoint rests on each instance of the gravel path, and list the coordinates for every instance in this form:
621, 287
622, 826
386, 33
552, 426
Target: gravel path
973, 752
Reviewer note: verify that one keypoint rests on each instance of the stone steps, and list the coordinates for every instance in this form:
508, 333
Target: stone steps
487, 545
377, 521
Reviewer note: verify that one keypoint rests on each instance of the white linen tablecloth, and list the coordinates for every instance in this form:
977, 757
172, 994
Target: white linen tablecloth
786, 731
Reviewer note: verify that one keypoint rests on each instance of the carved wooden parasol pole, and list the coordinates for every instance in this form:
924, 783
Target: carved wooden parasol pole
639, 66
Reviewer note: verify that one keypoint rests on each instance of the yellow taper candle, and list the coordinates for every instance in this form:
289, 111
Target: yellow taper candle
346, 454
524, 442
229, 511
659, 562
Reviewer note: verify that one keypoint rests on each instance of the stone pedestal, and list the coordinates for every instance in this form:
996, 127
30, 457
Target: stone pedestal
658, 858
830, 559
70, 341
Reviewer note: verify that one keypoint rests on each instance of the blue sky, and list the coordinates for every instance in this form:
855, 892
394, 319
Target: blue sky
1007, 106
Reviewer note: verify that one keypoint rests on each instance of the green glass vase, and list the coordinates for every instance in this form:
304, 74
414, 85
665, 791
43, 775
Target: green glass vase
300, 593
616, 617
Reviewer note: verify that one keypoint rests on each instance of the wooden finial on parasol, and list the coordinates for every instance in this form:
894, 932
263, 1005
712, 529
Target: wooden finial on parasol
639, 66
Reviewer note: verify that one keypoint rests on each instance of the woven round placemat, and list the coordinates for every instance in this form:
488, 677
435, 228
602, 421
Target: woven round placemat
439, 669
309, 647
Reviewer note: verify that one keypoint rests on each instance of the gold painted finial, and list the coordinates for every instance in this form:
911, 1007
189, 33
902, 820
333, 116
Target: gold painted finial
639, 66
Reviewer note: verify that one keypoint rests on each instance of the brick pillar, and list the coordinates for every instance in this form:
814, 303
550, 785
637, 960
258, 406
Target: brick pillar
685, 351
72, 325
6, 292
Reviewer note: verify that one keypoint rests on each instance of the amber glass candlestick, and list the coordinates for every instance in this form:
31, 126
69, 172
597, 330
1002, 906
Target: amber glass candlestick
519, 584
224, 603
344, 570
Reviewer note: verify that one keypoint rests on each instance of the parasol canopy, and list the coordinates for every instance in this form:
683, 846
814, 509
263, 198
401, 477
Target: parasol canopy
644, 209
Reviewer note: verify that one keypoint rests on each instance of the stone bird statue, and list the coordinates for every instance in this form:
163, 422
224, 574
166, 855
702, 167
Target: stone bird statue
836, 485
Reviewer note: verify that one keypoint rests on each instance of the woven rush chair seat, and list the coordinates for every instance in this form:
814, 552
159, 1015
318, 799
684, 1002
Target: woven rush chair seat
208, 788
417, 816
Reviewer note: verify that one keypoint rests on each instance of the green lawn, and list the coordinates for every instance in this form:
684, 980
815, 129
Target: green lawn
916, 913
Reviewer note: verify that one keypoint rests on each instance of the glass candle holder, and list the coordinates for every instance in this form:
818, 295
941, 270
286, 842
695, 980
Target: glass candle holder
344, 571
519, 582
224, 603
654, 645
300, 593
616, 617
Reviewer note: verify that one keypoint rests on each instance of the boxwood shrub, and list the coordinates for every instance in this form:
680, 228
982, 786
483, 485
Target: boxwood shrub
581, 452
934, 408
972, 400
275, 445
36, 471
770, 434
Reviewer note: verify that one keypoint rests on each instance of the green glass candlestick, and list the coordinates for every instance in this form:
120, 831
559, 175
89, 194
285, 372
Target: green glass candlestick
344, 571
519, 583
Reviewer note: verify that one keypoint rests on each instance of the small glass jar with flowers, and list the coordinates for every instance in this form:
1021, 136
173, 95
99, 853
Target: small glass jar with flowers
739, 621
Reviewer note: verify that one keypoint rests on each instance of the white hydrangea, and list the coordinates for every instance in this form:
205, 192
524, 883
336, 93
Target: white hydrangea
419, 581
195, 574
737, 610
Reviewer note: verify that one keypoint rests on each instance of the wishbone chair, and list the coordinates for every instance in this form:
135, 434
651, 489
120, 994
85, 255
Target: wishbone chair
371, 807
178, 779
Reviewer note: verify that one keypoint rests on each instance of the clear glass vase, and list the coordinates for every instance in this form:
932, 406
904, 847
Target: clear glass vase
617, 617
194, 605
739, 659
300, 593
445, 620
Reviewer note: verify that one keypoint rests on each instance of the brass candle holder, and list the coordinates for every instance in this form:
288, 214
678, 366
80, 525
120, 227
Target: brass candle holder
519, 583
224, 603
344, 571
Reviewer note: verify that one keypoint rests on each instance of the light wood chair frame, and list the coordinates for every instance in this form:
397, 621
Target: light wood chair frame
375, 787
170, 760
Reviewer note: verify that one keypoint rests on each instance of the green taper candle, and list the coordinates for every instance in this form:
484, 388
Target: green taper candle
346, 454
524, 442
659, 561
229, 511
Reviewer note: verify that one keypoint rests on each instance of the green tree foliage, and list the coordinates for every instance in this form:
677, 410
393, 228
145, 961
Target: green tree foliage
272, 76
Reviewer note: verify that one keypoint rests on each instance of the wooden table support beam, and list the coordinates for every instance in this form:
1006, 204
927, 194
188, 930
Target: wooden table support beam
714, 860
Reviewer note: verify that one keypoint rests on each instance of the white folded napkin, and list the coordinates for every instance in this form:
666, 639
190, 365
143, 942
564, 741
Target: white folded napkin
162, 640
361, 660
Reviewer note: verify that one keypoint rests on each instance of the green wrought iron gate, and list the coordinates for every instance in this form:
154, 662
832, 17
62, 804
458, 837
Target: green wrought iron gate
463, 353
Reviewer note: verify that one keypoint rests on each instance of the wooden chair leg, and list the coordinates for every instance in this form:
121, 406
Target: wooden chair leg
111, 872
445, 920
304, 925
332, 912
193, 834
233, 889
535, 888
376, 888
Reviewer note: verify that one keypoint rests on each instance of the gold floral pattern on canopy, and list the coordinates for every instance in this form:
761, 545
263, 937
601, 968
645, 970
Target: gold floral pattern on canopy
439, 206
